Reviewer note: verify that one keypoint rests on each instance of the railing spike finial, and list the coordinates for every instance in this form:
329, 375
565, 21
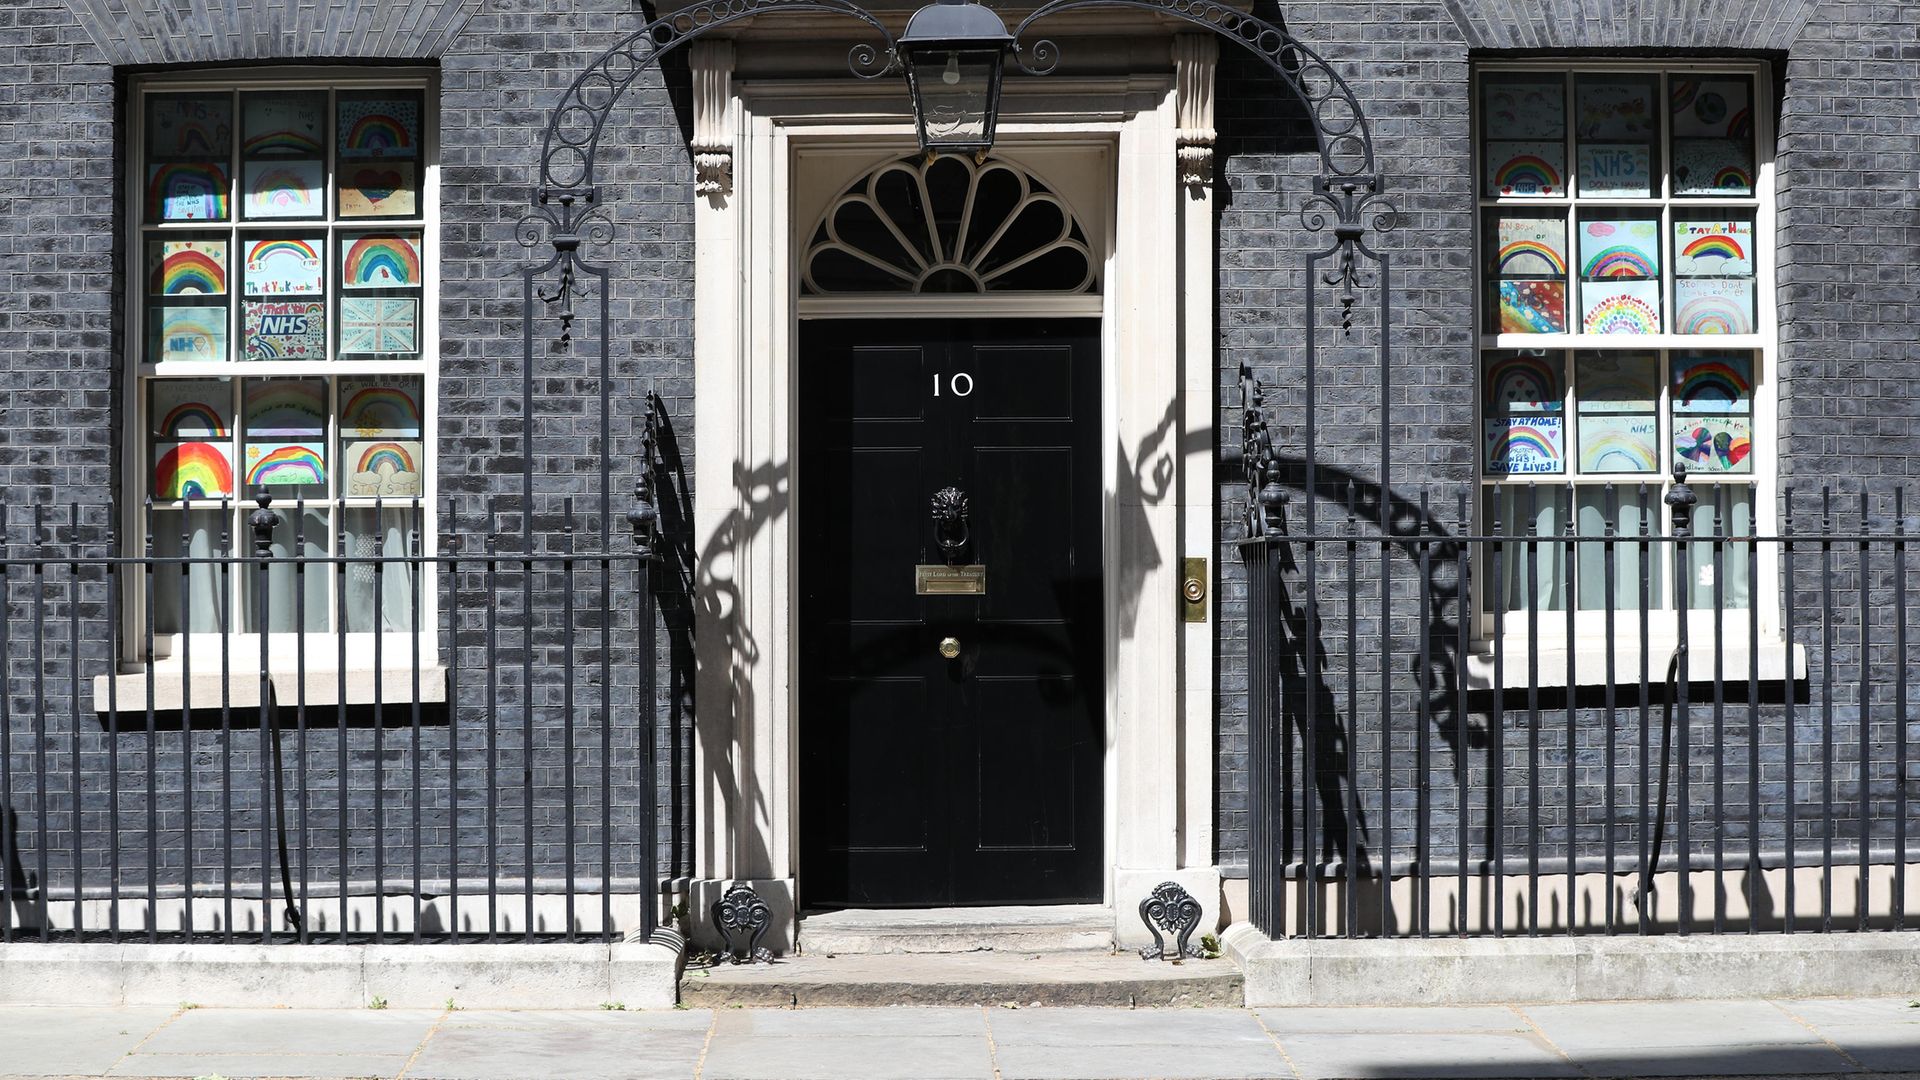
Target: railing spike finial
1681, 500
263, 521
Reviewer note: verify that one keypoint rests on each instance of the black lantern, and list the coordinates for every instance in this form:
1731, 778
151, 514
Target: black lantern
953, 51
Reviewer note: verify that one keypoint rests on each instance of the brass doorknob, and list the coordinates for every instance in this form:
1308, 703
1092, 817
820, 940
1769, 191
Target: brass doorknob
950, 647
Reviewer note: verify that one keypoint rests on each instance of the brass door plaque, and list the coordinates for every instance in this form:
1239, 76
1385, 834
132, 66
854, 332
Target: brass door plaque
935, 579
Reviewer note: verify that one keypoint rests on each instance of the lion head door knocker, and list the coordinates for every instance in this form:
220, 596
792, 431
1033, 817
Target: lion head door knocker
950, 528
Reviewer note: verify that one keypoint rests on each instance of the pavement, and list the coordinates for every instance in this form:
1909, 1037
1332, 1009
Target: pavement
1822, 1037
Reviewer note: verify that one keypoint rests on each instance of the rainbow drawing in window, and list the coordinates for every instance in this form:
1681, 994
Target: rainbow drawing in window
1713, 306
1520, 445
189, 334
284, 189
296, 407
1531, 247
186, 191
284, 266
282, 125
375, 410
1533, 307
1620, 307
1713, 248
1713, 384
385, 469
189, 125
193, 470
1523, 383
1526, 169
1619, 443
1620, 249
379, 129
189, 268
378, 189
285, 465
381, 261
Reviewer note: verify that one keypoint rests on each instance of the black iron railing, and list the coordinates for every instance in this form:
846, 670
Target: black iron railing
1684, 726
191, 750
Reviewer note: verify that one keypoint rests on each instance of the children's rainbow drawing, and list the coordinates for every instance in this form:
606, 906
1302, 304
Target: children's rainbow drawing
1710, 311
285, 330
378, 128
186, 191
1533, 307
1616, 443
1525, 110
1713, 384
283, 189
1713, 248
191, 268
193, 470
192, 418
373, 410
1617, 262
1712, 167
1614, 110
374, 262
1613, 383
292, 463
1522, 383
286, 407
287, 126
1529, 444
378, 189
1627, 308
1628, 248
1525, 168
284, 266
190, 334
385, 457
184, 126
1718, 445
383, 468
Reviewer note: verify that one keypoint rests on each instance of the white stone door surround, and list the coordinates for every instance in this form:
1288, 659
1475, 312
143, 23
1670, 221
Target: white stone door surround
787, 142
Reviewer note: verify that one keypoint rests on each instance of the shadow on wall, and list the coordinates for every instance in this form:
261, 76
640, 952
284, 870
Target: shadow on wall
675, 586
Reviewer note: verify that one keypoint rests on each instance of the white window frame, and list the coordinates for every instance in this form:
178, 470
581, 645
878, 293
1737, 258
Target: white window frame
324, 648
1588, 646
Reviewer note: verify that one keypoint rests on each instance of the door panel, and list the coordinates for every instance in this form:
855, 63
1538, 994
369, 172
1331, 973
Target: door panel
926, 781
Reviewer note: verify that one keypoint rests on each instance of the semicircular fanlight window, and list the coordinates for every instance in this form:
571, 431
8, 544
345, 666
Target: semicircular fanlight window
949, 225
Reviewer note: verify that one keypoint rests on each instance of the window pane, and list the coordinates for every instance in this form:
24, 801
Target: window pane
284, 428
1523, 398
283, 168
379, 304
1712, 135
380, 437
191, 421
1635, 511
1619, 272
1530, 571
381, 593
189, 146
289, 321
1724, 510
1713, 412
1525, 131
286, 581
1617, 403
379, 148
1618, 131
1714, 290
188, 594
1529, 256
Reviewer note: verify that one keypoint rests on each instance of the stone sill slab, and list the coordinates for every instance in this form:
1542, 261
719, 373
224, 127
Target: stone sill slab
241, 686
527, 976
1472, 971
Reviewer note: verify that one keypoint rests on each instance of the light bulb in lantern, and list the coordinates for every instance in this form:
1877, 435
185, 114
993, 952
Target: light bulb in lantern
951, 76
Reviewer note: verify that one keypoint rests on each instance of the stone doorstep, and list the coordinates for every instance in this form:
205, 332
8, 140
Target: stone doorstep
982, 978
480, 976
1050, 929
1472, 971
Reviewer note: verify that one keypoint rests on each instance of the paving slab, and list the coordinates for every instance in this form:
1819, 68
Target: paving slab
237, 1066
1198, 1060
580, 1046
1601, 1028
1105, 1027
1882, 1010
1351, 1020
48, 1041
897, 1020
294, 1032
873, 1057
1425, 1055
1883, 1047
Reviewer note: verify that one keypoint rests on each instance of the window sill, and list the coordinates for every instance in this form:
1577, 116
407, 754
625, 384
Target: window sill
1590, 664
171, 691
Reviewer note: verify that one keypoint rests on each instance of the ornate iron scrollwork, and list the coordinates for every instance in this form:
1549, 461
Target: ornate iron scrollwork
1171, 909
950, 524
1261, 462
743, 919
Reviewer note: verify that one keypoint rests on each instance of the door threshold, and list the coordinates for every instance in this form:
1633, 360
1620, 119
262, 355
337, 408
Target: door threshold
1026, 928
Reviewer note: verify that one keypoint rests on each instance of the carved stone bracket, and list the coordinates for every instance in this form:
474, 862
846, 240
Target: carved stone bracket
1170, 910
1194, 59
711, 62
743, 919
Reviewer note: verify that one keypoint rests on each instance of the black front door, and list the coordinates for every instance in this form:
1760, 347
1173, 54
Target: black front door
929, 781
